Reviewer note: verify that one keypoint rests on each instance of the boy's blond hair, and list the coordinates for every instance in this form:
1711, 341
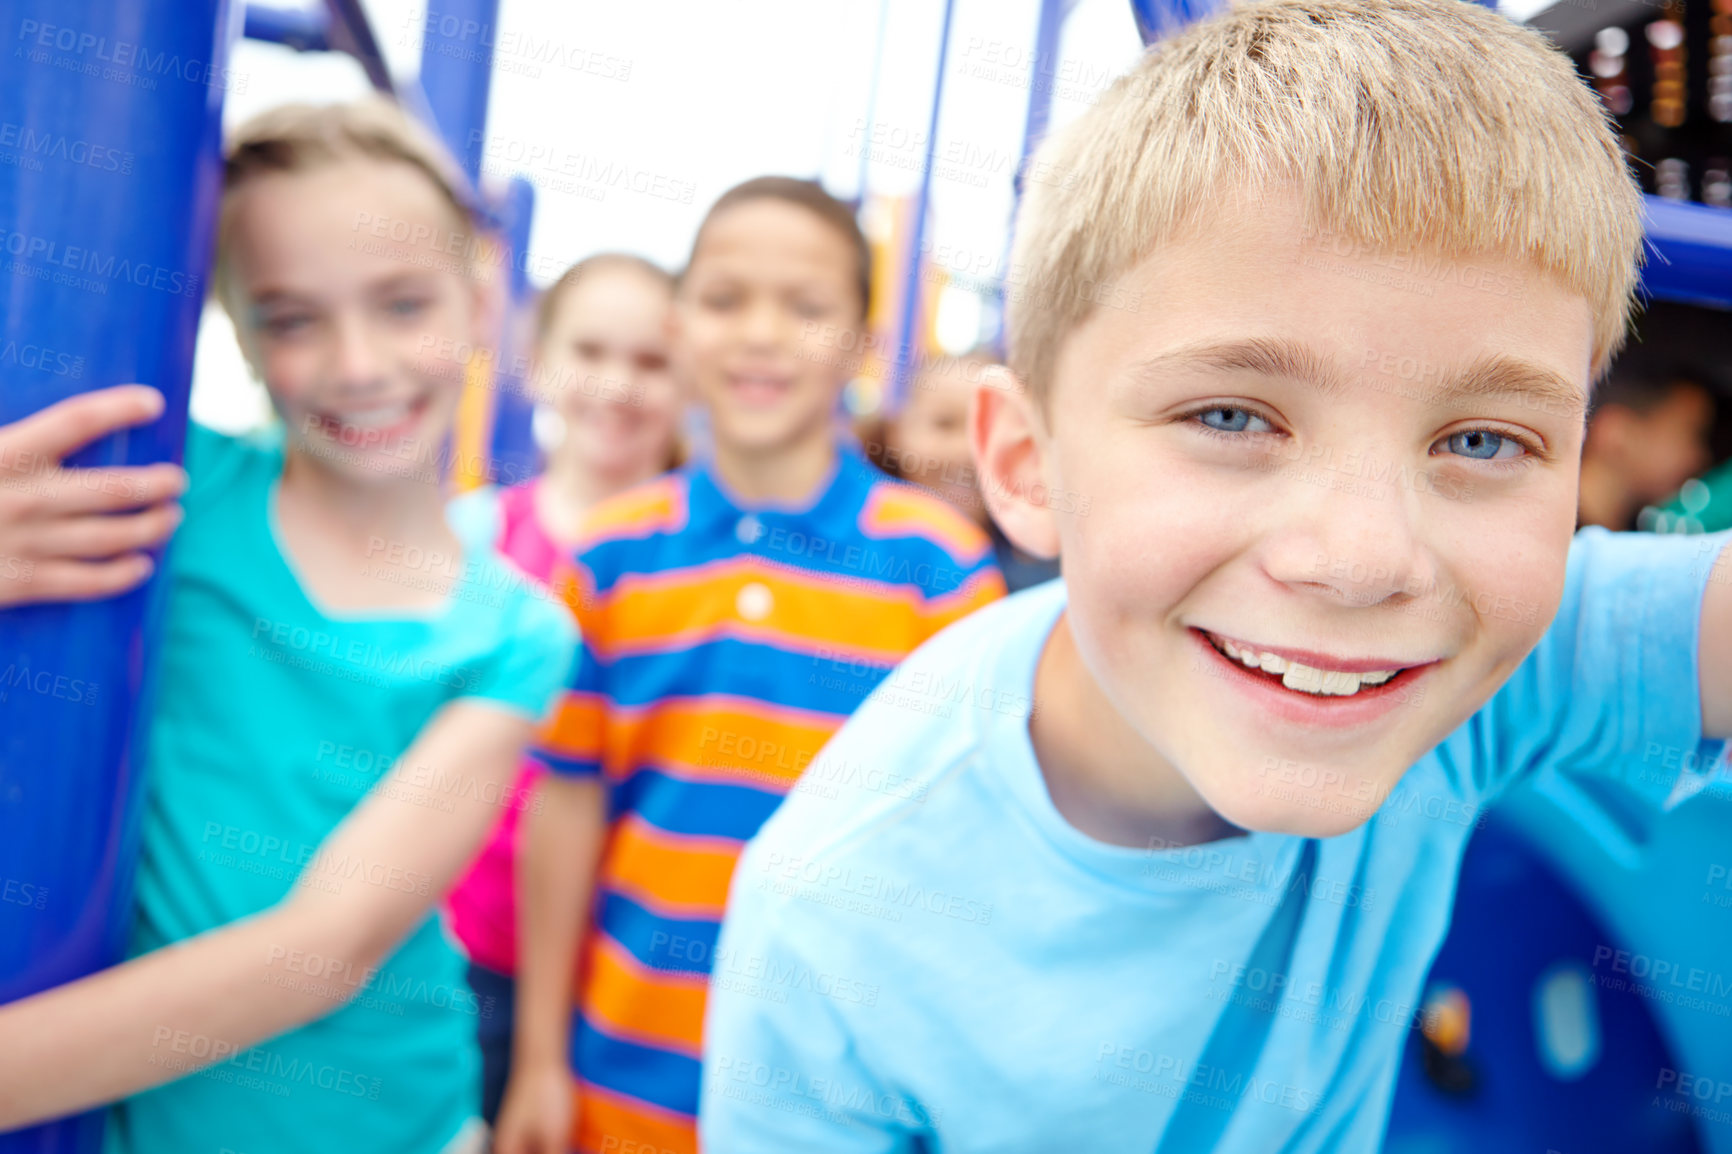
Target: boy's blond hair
1424, 125
300, 137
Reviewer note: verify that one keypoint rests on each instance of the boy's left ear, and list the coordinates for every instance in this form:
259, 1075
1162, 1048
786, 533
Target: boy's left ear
1007, 433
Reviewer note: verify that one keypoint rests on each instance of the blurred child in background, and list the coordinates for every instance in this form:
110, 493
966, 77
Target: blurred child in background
733, 615
343, 697
1647, 435
609, 415
926, 442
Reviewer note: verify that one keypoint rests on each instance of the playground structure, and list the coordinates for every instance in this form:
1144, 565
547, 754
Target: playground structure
106, 276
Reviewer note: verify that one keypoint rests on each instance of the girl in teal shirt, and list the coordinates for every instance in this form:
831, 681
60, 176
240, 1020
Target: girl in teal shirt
342, 699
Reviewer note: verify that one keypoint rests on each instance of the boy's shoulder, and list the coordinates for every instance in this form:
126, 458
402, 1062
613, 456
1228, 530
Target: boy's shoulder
652, 509
894, 509
902, 772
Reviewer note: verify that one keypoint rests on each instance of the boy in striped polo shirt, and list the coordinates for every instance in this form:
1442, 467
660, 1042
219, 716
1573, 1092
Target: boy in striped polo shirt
733, 614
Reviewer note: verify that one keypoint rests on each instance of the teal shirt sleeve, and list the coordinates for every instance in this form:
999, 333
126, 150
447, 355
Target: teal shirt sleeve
533, 658
213, 458
1611, 696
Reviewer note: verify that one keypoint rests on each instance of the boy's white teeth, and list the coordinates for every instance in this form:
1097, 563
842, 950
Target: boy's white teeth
1303, 678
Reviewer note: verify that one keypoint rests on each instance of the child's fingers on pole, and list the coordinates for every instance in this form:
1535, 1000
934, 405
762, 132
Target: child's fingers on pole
98, 536
62, 580
67, 426
105, 489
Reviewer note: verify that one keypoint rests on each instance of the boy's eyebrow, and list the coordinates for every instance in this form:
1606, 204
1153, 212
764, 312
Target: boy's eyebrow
412, 278
1265, 356
1490, 378
1511, 378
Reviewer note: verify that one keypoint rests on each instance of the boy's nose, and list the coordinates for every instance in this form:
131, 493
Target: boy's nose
764, 325
1357, 548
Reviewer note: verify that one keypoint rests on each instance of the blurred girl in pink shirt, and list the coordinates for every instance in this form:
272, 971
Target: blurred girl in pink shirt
608, 419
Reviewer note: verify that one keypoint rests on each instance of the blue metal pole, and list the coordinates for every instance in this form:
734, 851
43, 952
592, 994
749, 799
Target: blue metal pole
303, 29
872, 105
1046, 34
515, 456
456, 73
112, 109
911, 303
1690, 253
1158, 18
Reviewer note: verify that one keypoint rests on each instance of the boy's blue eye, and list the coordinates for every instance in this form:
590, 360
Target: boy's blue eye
408, 306
1484, 445
1226, 419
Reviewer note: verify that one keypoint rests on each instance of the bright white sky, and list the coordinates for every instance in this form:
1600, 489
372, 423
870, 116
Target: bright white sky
717, 93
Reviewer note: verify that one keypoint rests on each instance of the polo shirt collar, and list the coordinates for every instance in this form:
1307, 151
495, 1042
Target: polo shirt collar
836, 500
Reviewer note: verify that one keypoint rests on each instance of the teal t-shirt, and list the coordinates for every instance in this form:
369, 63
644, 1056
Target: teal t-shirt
273, 720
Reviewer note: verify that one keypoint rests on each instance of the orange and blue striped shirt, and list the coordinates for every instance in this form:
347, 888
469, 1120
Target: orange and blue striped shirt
723, 645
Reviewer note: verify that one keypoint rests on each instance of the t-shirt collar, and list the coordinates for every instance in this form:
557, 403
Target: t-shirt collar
1254, 866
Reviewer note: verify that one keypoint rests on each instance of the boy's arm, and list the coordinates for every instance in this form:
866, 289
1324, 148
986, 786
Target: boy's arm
163, 1015
556, 880
1716, 649
556, 876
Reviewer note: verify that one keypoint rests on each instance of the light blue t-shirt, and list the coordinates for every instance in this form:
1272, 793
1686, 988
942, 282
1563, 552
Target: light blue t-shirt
921, 953
273, 720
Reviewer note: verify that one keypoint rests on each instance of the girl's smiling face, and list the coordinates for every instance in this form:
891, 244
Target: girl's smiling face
603, 365
1328, 509
359, 337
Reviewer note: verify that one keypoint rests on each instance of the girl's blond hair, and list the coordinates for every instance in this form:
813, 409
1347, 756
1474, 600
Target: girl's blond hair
300, 137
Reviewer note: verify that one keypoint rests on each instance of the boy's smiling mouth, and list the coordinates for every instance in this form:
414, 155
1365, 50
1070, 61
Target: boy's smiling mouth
1312, 674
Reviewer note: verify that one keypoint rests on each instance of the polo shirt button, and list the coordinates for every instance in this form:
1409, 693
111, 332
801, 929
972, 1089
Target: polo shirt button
754, 601
749, 529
